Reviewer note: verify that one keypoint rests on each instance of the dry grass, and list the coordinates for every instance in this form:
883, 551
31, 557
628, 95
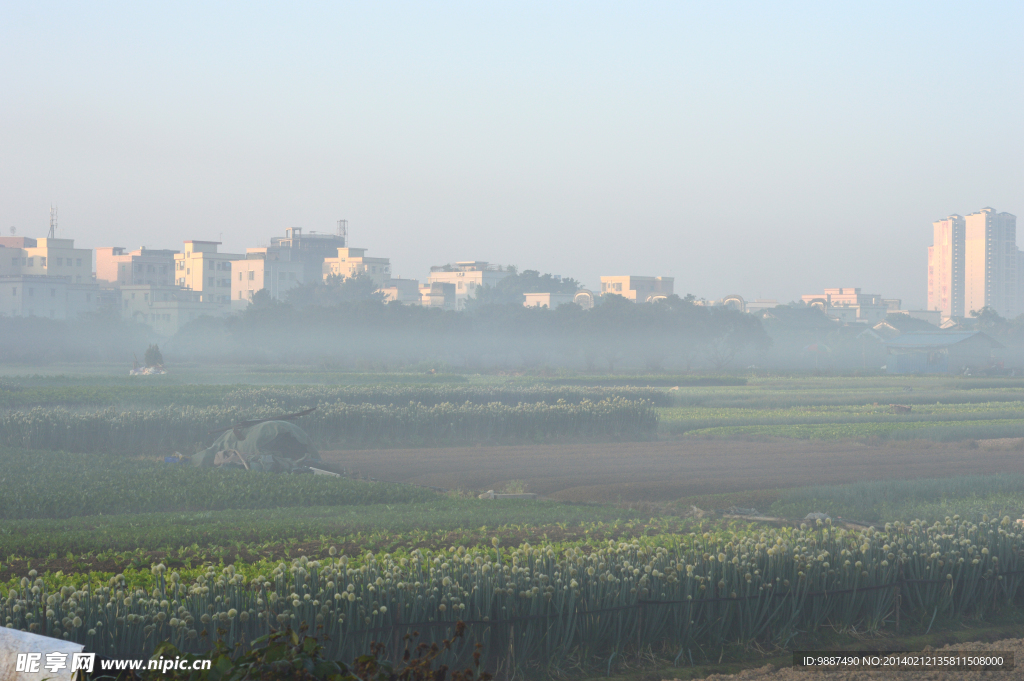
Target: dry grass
667, 471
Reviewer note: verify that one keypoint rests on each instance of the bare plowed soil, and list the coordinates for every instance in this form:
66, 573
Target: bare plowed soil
1015, 646
665, 471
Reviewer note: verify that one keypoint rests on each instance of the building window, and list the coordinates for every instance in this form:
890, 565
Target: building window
42, 263
252, 275
210, 279
210, 263
14, 291
79, 262
239, 276
30, 262
14, 261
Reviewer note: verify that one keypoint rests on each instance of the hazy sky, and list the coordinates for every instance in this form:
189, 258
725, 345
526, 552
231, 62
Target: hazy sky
767, 149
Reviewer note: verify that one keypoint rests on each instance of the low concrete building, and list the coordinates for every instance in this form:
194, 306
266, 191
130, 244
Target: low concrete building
405, 291
942, 352
143, 266
261, 270
36, 295
466, 276
551, 300
638, 289
166, 308
850, 305
439, 294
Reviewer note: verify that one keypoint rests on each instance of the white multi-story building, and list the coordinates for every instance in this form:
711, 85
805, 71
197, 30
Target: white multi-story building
203, 270
46, 278
311, 249
114, 265
467, 277
352, 262
261, 270
45, 257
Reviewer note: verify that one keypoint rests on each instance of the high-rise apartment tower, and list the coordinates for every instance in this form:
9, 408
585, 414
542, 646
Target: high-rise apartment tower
973, 263
990, 262
946, 267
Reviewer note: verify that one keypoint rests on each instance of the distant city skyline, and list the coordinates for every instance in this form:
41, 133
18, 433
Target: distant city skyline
739, 148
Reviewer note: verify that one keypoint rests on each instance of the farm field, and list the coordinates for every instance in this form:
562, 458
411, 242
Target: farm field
78, 413
92, 516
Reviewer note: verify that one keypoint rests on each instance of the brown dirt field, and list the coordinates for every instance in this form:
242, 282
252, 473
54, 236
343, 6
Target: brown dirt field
666, 471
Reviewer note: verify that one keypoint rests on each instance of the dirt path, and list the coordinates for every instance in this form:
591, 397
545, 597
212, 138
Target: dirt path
665, 471
770, 673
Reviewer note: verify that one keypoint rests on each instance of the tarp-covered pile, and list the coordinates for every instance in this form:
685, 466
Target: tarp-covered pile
271, 446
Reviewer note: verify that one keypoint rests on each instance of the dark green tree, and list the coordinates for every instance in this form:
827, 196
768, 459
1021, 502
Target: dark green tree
153, 356
335, 291
510, 290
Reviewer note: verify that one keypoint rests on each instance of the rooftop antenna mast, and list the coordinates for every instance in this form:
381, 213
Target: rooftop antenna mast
343, 230
53, 222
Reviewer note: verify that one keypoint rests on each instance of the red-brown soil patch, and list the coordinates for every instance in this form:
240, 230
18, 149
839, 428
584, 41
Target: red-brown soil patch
666, 471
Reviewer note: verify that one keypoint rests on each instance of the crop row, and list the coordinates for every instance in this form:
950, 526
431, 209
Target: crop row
941, 431
706, 417
110, 485
511, 395
111, 543
16, 396
540, 608
339, 425
894, 499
